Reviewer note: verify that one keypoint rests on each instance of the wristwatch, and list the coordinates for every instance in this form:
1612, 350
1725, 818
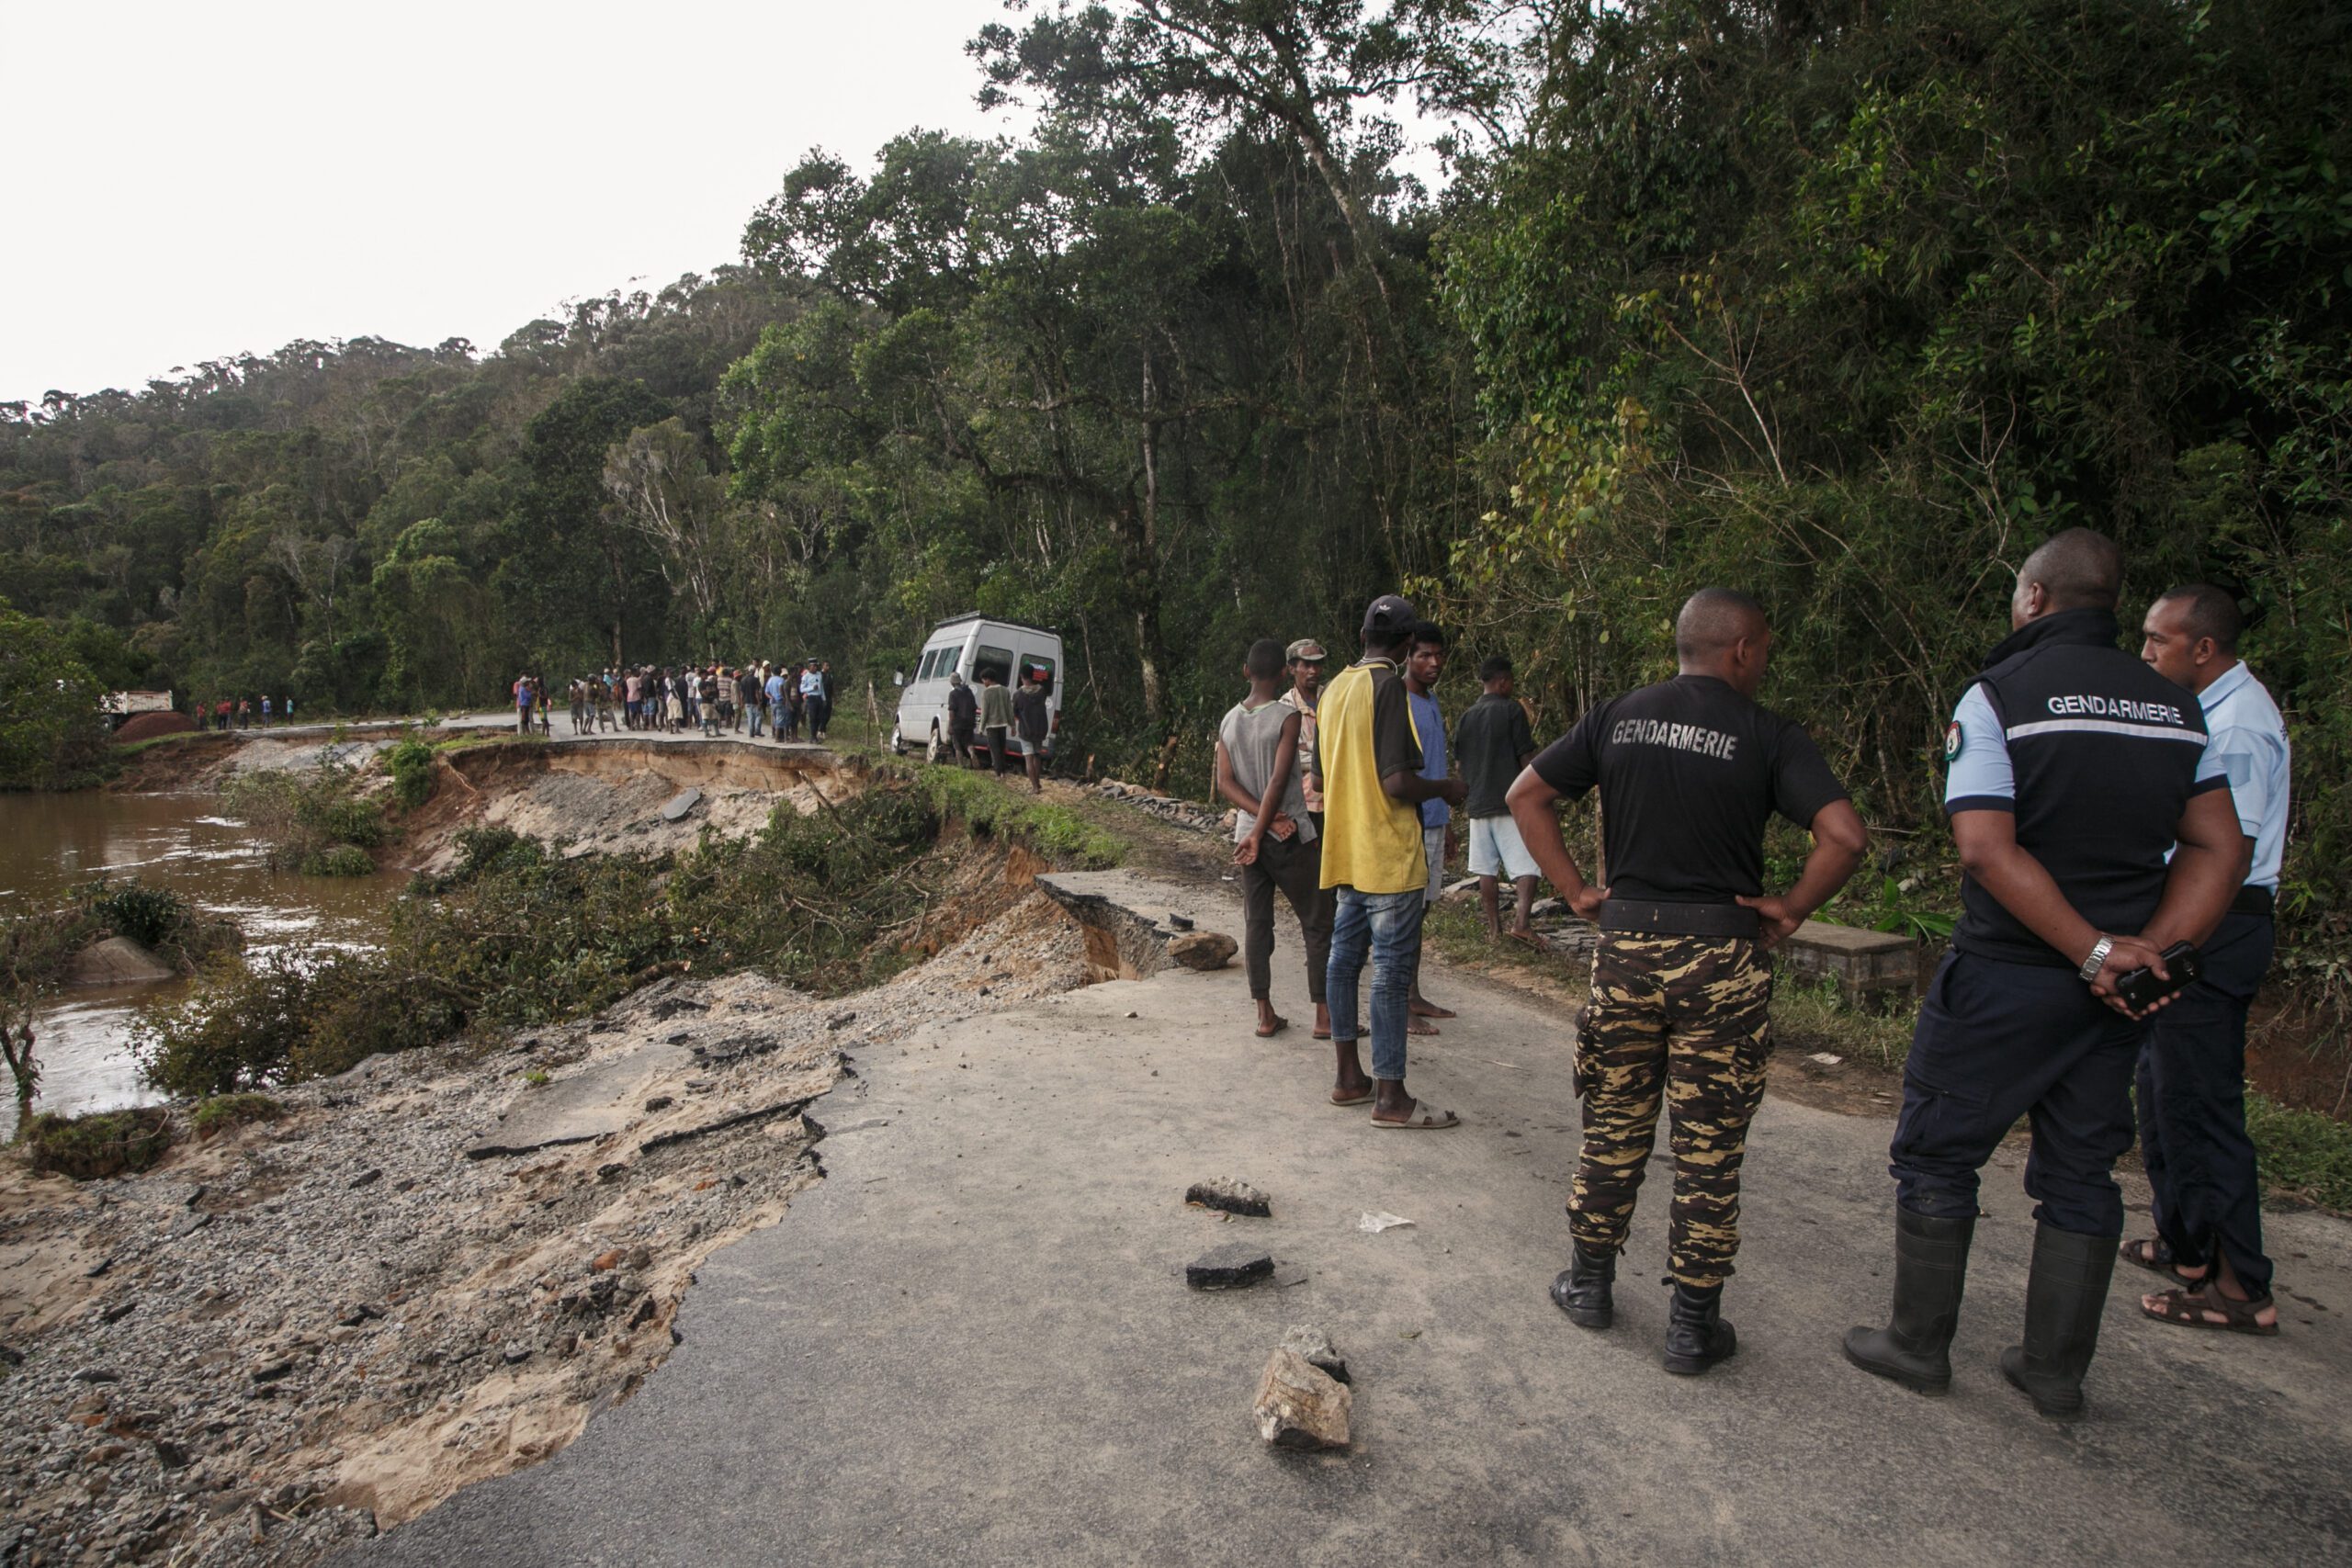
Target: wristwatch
2098, 960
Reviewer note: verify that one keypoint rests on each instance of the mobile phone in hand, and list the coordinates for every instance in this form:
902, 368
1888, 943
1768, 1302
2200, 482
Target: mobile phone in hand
2141, 989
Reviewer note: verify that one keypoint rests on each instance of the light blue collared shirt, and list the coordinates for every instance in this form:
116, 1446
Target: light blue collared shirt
2250, 739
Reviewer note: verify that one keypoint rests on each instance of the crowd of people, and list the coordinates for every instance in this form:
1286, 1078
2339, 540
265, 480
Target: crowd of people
2120, 822
223, 713
788, 701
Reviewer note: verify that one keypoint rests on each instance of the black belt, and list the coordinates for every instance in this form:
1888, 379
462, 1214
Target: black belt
1637, 918
2252, 900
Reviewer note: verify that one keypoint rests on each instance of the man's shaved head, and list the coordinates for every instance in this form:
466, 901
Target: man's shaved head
1712, 622
2078, 570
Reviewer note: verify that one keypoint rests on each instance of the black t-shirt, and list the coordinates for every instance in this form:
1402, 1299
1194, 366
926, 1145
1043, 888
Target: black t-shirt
1690, 771
1489, 741
1029, 715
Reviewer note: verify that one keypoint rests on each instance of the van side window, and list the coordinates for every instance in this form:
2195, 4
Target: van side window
999, 660
930, 664
1037, 667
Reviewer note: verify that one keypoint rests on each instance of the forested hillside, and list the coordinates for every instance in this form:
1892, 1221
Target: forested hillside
1846, 303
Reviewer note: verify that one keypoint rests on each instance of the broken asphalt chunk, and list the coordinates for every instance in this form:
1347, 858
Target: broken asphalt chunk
1229, 1195
1229, 1269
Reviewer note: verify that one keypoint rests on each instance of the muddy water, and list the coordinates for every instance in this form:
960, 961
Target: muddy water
53, 842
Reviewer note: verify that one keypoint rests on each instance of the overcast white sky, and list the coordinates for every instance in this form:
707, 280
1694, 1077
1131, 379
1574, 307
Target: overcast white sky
196, 180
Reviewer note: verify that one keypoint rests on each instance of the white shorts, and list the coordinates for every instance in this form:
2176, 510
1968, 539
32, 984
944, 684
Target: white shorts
1434, 846
1495, 846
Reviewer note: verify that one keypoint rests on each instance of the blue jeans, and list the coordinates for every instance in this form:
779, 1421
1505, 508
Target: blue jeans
756, 715
1390, 924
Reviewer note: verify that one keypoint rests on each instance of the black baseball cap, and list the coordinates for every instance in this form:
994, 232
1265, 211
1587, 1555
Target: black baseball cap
1389, 616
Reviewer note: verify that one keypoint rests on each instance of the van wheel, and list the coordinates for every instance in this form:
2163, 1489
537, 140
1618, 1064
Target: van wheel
936, 751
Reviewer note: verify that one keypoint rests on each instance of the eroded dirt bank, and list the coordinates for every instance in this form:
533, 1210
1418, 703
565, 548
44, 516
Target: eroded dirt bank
438, 1266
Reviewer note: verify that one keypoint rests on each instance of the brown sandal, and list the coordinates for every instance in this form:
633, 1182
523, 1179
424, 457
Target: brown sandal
2155, 1255
2188, 1307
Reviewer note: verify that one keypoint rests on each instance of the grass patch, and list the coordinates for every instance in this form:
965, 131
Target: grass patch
133, 748
310, 819
1458, 931
2302, 1154
220, 1113
1816, 1016
988, 808
105, 1142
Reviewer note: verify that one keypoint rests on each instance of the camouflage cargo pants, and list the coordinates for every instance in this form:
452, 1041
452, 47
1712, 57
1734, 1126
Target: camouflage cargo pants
1680, 1019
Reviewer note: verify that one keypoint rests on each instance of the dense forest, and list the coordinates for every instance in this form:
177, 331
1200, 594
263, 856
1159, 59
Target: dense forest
1847, 302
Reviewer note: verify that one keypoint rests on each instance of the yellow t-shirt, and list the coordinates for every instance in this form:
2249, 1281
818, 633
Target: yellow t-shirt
1363, 731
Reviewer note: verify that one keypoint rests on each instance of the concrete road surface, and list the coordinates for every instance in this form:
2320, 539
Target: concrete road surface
973, 1343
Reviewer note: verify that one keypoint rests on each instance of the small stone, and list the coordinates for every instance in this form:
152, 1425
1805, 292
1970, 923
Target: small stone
1313, 1347
366, 1178
605, 1261
191, 1225
612, 1171
660, 1102
1204, 951
1229, 1196
95, 1374
515, 1353
271, 1371
641, 1258
117, 1312
169, 1455
1299, 1405
97, 1271
1229, 1268
841, 1020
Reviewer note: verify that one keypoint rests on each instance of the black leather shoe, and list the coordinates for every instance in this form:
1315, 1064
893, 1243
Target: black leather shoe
2063, 1297
1931, 1272
1583, 1290
1696, 1334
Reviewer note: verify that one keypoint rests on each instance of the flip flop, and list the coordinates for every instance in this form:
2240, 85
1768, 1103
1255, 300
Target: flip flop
1367, 1098
1426, 1118
1280, 1024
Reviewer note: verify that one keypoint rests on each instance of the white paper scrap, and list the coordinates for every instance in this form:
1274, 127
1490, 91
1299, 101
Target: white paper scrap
1376, 1223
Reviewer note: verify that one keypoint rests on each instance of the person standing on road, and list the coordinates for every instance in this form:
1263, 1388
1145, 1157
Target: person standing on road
522, 704
2072, 768
2190, 1093
1305, 660
747, 696
812, 700
265, 712
1033, 722
963, 714
1275, 844
1368, 768
996, 718
290, 710
1493, 741
1424, 662
825, 689
1690, 771
779, 711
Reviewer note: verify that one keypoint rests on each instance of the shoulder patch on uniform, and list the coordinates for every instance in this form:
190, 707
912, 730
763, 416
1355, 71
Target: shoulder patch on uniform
1951, 741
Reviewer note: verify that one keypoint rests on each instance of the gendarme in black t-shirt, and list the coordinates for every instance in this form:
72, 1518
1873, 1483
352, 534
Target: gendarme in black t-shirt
1689, 772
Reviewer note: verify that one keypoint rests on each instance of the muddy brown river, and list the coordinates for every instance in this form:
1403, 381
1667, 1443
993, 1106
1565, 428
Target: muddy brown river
49, 843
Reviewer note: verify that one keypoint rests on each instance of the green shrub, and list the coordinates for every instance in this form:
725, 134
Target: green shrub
343, 860
302, 817
149, 916
411, 766
350, 820
217, 1113
104, 1143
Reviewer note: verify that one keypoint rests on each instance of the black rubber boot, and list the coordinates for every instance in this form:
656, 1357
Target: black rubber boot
1931, 1272
1696, 1334
2063, 1297
1583, 1290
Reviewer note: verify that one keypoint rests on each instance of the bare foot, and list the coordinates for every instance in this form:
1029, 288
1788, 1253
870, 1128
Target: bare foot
1415, 1025
1271, 1025
1428, 1010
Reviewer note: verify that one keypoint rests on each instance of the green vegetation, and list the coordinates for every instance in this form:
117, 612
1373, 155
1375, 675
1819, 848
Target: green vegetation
411, 766
220, 1113
518, 934
101, 1143
986, 806
2302, 1153
315, 822
49, 734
